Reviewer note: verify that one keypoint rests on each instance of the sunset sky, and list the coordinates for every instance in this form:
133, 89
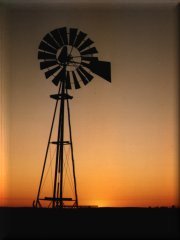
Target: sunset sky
124, 132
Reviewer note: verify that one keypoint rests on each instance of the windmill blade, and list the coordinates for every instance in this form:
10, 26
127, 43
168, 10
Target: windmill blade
47, 64
47, 48
85, 64
88, 42
52, 71
63, 34
72, 35
101, 68
82, 77
68, 82
89, 51
88, 76
57, 37
76, 83
60, 76
80, 38
50, 40
44, 55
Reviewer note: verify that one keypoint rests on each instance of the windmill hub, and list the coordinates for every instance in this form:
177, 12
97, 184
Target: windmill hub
68, 57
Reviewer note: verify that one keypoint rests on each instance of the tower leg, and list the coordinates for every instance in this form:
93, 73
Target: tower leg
59, 153
46, 154
61, 146
72, 152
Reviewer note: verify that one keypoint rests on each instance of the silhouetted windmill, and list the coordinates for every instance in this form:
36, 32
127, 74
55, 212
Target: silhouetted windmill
70, 60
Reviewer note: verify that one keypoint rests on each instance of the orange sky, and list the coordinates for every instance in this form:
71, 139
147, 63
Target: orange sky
125, 133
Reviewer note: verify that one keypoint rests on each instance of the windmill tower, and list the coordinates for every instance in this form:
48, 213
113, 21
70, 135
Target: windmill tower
69, 58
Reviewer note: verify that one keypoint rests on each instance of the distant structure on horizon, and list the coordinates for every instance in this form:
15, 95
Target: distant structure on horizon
69, 58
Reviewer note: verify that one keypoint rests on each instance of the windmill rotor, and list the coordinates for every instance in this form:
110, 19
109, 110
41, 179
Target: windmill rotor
69, 55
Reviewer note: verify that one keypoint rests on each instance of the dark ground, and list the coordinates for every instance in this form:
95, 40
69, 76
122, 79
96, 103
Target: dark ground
89, 223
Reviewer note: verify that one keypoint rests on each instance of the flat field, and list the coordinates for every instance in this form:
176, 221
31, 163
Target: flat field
89, 223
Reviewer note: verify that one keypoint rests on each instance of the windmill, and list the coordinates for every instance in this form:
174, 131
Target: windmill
69, 58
